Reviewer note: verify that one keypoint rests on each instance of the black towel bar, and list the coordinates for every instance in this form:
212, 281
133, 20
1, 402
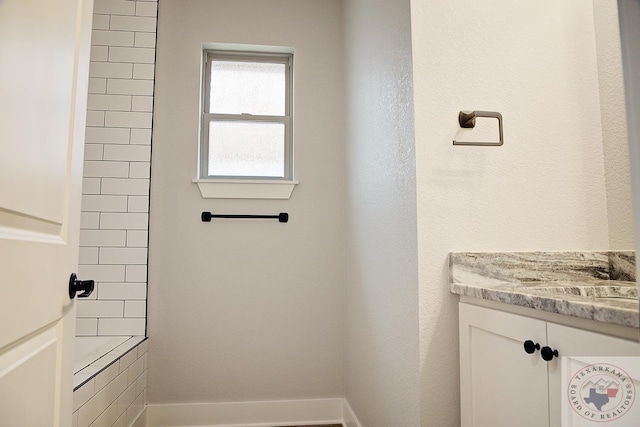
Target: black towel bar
282, 217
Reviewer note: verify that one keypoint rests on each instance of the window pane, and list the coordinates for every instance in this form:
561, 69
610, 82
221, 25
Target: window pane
243, 148
247, 87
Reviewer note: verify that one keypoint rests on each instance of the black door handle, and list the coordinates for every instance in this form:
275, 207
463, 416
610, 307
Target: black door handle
530, 347
77, 285
548, 353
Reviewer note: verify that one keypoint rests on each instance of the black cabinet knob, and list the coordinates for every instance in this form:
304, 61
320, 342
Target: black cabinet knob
77, 285
530, 347
548, 353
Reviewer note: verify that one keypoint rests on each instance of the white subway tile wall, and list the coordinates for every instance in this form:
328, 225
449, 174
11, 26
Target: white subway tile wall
115, 201
116, 395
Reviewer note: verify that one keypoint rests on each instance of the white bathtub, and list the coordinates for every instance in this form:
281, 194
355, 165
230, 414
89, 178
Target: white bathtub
94, 354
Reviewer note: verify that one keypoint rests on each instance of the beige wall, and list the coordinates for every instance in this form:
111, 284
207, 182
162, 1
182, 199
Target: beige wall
614, 125
247, 310
543, 190
630, 34
381, 353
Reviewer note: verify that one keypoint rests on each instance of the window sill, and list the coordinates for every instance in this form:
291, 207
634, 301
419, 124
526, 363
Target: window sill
241, 189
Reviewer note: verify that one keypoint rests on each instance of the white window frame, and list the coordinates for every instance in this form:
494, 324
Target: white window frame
206, 118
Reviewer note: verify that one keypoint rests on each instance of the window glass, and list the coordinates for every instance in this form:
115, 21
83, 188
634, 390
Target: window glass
257, 88
246, 148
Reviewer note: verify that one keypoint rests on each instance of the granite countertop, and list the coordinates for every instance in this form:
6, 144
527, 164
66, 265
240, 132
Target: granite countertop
598, 286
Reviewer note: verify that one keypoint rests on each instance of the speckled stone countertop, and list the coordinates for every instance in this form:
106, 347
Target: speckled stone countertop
599, 286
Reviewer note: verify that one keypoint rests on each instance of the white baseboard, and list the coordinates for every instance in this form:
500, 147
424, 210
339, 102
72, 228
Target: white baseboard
254, 414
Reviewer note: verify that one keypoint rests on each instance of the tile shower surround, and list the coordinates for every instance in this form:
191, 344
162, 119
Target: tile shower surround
115, 200
116, 394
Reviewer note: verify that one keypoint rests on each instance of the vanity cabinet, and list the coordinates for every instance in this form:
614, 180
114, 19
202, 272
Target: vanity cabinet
501, 385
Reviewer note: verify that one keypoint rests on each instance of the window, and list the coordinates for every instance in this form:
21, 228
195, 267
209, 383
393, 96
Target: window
246, 119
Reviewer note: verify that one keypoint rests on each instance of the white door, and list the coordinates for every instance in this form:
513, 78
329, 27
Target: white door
44, 62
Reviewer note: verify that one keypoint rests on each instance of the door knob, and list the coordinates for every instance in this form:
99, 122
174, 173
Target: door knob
77, 285
548, 353
530, 347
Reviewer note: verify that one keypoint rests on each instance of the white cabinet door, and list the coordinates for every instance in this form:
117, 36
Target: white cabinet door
44, 61
501, 385
572, 342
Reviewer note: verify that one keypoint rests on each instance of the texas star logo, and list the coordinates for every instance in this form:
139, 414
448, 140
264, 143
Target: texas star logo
601, 392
